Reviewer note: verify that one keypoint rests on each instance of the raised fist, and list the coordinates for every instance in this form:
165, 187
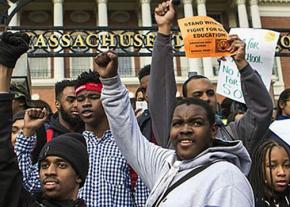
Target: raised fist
102, 59
107, 64
33, 119
12, 46
164, 16
238, 50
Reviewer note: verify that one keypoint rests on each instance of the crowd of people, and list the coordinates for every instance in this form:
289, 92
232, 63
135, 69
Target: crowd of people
99, 149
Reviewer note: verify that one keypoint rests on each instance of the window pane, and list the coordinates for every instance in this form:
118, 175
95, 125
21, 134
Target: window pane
39, 67
125, 65
79, 65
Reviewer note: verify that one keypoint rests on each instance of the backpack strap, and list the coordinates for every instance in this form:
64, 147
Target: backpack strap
189, 175
229, 133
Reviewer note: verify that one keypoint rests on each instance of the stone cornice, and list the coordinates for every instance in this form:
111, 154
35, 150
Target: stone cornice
253, 2
57, 1
274, 1
240, 2
145, 1
200, 1
102, 1
187, 1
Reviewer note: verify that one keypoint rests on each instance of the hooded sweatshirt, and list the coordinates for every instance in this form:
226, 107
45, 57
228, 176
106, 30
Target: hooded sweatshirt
161, 93
223, 183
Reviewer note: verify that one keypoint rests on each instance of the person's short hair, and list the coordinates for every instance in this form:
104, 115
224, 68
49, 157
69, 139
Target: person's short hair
194, 77
144, 72
284, 96
18, 116
195, 101
87, 77
60, 86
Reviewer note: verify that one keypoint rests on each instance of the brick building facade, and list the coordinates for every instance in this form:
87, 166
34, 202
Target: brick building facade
133, 13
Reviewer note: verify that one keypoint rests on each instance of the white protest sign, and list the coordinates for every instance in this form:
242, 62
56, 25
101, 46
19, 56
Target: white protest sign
260, 51
281, 129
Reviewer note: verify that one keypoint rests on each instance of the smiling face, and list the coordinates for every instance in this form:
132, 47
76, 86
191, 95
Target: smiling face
279, 166
191, 132
58, 179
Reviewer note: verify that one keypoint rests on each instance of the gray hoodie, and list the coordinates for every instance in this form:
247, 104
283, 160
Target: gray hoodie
221, 184
161, 92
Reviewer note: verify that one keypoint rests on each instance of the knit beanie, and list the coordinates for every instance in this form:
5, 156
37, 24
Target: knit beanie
72, 148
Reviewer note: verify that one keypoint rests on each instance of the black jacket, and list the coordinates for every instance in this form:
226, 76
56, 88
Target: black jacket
11, 188
40, 202
57, 128
144, 122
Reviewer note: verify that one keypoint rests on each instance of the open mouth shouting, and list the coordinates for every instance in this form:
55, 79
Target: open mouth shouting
50, 183
87, 113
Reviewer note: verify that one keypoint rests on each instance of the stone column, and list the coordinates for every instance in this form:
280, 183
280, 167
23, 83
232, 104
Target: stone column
242, 13
15, 21
195, 64
102, 13
102, 19
255, 13
58, 21
207, 62
187, 5
146, 22
146, 13
201, 7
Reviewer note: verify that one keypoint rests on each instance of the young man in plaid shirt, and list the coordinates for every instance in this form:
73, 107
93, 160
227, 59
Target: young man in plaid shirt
108, 182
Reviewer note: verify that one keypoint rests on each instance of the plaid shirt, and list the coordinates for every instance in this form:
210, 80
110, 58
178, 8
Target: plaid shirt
108, 182
23, 149
141, 193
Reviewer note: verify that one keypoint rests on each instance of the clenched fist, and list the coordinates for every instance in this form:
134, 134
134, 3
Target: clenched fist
107, 64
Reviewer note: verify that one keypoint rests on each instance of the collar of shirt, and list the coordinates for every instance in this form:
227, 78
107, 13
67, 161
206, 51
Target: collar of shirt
91, 137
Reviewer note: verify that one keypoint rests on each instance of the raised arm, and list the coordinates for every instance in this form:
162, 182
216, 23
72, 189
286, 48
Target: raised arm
25, 143
11, 47
145, 157
251, 128
162, 86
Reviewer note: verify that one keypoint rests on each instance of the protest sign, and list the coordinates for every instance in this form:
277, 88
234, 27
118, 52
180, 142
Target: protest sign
260, 51
203, 37
281, 129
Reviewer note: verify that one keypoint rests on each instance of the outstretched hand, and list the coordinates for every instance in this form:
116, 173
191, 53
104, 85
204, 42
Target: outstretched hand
12, 46
107, 64
238, 49
164, 16
34, 118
